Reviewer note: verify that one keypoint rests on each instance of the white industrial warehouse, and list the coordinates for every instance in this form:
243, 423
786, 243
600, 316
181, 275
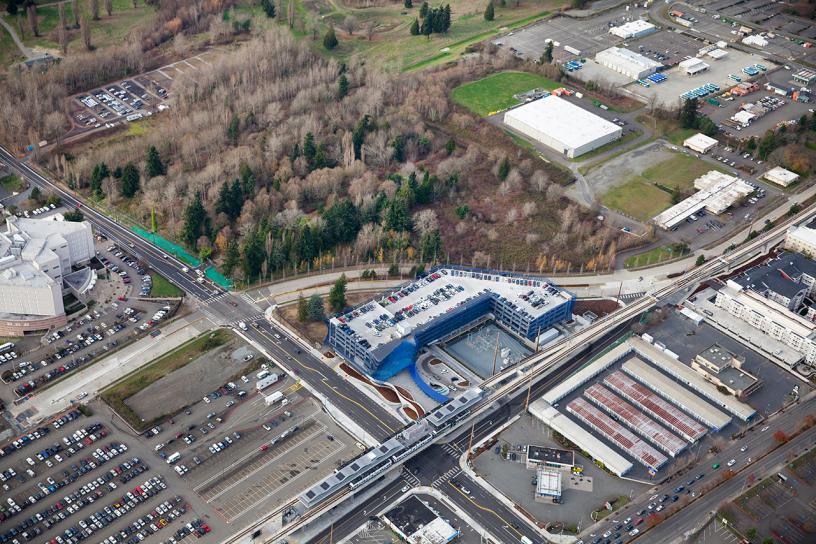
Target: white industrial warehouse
633, 29
700, 143
562, 126
626, 62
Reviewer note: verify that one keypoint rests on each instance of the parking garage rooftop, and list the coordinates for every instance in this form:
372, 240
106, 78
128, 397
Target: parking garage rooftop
400, 312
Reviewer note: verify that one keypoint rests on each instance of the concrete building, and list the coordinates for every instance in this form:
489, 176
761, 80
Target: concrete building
769, 317
780, 176
805, 77
626, 62
744, 88
716, 192
539, 456
35, 257
383, 337
693, 66
700, 143
415, 522
548, 485
717, 54
562, 126
633, 29
802, 238
724, 369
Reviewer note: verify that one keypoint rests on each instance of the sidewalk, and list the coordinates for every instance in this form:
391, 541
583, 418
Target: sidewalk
106, 371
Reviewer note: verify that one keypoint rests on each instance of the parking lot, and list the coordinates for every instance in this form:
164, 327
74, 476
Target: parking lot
133, 98
677, 82
113, 320
587, 36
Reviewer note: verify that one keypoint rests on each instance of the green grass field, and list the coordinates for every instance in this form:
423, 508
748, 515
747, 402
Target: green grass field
656, 255
163, 288
119, 392
641, 199
495, 93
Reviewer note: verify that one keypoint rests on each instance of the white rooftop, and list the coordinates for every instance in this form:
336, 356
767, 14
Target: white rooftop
424, 300
781, 176
632, 28
548, 482
563, 121
716, 193
693, 64
438, 531
700, 140
717, 54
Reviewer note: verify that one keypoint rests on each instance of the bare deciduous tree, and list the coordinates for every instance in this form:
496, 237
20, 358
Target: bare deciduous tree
75, 11
350, 24
62, 32
85, 27
109, 7
32, 20
93, 7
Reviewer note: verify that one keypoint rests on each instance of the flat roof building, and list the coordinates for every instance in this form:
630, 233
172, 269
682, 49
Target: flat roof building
35, 257
677, 420
805, 77
633, 29
716, 192
617, 434
633, 418
562, 126
549, 457
383, 336
415, 522
802, 238
548, 485
780, 176
626, 62
583, 439
724, 369
693, 66
700, 143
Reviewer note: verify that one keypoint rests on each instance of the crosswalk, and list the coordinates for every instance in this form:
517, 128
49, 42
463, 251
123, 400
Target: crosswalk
452, 449
247, 320
631, 297
216, 298
249, 300
450, 473
410, 478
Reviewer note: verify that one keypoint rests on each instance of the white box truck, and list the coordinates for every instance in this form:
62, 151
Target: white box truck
266, 381
273, 398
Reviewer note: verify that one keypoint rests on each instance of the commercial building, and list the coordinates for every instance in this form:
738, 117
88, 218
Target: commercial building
586, 373
717, 53
700, 143
35, 257
772, 298
675, 393
693, 66
678, 421
626, 62
744, 88
416, 522
716, 192
724, 369
805, 77
548, 485
780, 176
688, 377
383, 336
583, 439
633, 418
617, 434
802, 238
562, 126
539, 456
633, 29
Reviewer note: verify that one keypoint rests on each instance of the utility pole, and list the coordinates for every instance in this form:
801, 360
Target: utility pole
538, 337
495, 354
529, 390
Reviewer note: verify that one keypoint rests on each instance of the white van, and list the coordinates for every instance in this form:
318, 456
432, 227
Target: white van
173, 458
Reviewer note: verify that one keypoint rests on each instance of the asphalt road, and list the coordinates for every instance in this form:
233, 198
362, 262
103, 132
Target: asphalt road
228, 309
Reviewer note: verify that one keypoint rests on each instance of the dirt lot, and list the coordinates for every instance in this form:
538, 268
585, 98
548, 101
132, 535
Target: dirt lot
190, 383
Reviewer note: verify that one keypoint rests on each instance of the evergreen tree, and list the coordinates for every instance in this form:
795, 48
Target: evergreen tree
342, 86
155, 167
427, 25
399, 148
688, 113
130, 180
293, 156
489, 13
547, 55
423, 10
330, 39
253, 255
36, 194
446, 18
195, 218
337, 295
100, 172
247, 180
424, 191
269, 8
231, 257
430, 246
415, 27
321, 159
233, 130
450, 146
408, 4
309, 149
302, 308
316, 312
341, 223
504, 168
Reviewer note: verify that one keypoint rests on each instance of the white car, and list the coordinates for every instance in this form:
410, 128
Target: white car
732, 462
744, 449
